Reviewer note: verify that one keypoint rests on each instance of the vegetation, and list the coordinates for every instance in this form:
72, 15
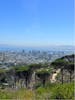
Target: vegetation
43, 74
64, 65
32, 82
22, 68
50, 91
65, 91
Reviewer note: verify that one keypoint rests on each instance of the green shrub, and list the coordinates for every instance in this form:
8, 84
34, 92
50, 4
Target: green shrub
6, 95
65, 91
41, 90
49, 92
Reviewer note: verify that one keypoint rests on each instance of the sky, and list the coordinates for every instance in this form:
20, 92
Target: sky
36, 22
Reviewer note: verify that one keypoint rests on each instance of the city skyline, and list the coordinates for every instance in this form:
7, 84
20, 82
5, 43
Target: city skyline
36, 22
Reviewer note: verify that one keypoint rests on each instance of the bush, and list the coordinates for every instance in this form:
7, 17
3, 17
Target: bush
6, 95
49, 92
65, 91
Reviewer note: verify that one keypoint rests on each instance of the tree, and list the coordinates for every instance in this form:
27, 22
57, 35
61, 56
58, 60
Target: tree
65, 63
23, 72
59, 63
43, 74
70, 68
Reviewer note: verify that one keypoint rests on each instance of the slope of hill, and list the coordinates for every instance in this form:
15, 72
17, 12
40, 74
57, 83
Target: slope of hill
36, 78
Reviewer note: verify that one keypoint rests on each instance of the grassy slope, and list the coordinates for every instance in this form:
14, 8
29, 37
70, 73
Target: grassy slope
51, 91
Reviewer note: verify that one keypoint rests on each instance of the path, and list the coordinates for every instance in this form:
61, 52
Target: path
53, 79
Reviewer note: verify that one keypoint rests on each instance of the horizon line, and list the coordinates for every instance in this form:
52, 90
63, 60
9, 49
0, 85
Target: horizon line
51, 45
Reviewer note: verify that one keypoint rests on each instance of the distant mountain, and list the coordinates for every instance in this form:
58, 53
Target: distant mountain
50, 48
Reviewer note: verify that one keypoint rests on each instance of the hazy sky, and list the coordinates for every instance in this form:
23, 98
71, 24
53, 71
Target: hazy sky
36, 22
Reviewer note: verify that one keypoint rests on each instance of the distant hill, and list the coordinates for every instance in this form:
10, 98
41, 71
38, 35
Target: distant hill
51, 48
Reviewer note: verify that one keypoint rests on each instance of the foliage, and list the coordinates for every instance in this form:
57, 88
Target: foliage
59, 63
18, 95
65, 91
43, 71
6, 95
49, 92
57, 91
21, 68
3, 70
43, 91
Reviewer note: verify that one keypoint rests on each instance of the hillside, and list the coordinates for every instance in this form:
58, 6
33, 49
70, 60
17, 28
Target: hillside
37, 78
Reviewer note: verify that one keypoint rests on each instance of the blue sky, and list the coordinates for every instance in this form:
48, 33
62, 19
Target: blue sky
36, 22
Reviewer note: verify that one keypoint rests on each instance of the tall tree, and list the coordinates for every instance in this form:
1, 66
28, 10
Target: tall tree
59, 63
43, 74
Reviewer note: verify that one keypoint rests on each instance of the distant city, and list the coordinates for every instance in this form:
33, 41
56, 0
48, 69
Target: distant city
19, 56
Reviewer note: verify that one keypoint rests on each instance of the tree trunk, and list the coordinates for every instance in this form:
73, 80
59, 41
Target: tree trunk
44, 82
70, 75
26, 82
62, 75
